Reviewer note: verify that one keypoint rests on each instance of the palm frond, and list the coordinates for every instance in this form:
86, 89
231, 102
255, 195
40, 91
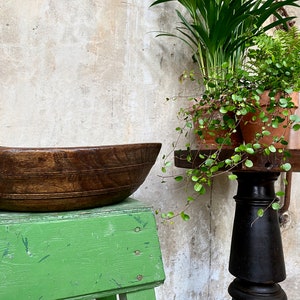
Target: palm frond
219, 31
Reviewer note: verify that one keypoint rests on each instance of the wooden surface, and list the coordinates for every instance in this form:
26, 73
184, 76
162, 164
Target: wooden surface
58, 179
81, 254
262, 163
139, 295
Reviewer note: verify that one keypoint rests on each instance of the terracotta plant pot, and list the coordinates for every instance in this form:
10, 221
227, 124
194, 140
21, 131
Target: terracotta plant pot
294, 140
251, 124
60, 179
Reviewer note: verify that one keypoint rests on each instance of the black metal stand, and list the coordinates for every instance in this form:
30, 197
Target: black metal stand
256, 258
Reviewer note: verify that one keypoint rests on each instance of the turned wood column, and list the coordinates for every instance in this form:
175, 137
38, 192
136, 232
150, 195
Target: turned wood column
256, 258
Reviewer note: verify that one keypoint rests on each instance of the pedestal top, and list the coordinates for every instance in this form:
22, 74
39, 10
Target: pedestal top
261, 162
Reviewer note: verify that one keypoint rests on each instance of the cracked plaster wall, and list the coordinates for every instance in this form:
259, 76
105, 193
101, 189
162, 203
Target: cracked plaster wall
91, 73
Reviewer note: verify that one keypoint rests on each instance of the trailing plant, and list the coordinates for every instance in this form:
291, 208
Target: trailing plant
215, 162
236, 96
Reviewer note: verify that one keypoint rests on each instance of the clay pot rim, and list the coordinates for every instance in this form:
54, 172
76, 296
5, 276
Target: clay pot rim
265, 99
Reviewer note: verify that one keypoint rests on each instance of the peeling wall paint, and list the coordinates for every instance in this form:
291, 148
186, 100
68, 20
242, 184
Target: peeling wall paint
91, 73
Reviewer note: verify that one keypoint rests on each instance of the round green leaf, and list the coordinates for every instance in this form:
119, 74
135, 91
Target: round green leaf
168, 164
209, 162
236, 158
198, 186
184, 216
250, 150
266, 133
232, 177
249, 163
214, 169
190, 199
272, 148
276, 206
178, 178
223, 110
195, 178
260, 212
228, 161
189, 125
286, 167
296, 127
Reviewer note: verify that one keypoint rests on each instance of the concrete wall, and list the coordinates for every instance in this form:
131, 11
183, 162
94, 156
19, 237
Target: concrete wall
91, 73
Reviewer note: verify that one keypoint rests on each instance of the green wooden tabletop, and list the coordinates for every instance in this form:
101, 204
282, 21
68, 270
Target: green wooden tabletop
79, 253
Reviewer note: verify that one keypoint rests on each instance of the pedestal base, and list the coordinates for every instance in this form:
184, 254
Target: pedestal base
256, 257
242, 290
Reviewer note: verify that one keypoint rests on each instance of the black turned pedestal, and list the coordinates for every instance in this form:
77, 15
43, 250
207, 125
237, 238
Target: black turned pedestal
256, 258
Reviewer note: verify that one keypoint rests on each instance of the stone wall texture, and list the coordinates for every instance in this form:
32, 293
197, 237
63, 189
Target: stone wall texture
83, 73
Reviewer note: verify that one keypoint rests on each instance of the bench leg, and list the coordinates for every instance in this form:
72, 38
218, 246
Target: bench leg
139, 295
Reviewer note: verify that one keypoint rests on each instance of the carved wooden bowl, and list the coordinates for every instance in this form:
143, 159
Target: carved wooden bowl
60, 179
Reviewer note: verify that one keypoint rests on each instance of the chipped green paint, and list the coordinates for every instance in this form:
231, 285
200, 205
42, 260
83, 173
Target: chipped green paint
84, 255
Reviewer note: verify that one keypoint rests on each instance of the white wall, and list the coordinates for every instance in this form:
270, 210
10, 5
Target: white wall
76, 72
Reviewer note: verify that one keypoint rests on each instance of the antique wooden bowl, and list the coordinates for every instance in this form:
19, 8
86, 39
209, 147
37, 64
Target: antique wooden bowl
60, 179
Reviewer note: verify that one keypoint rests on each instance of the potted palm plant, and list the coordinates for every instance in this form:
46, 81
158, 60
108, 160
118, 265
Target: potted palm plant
218, 33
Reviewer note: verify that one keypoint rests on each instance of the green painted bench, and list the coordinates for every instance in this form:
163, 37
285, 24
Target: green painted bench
89, 254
